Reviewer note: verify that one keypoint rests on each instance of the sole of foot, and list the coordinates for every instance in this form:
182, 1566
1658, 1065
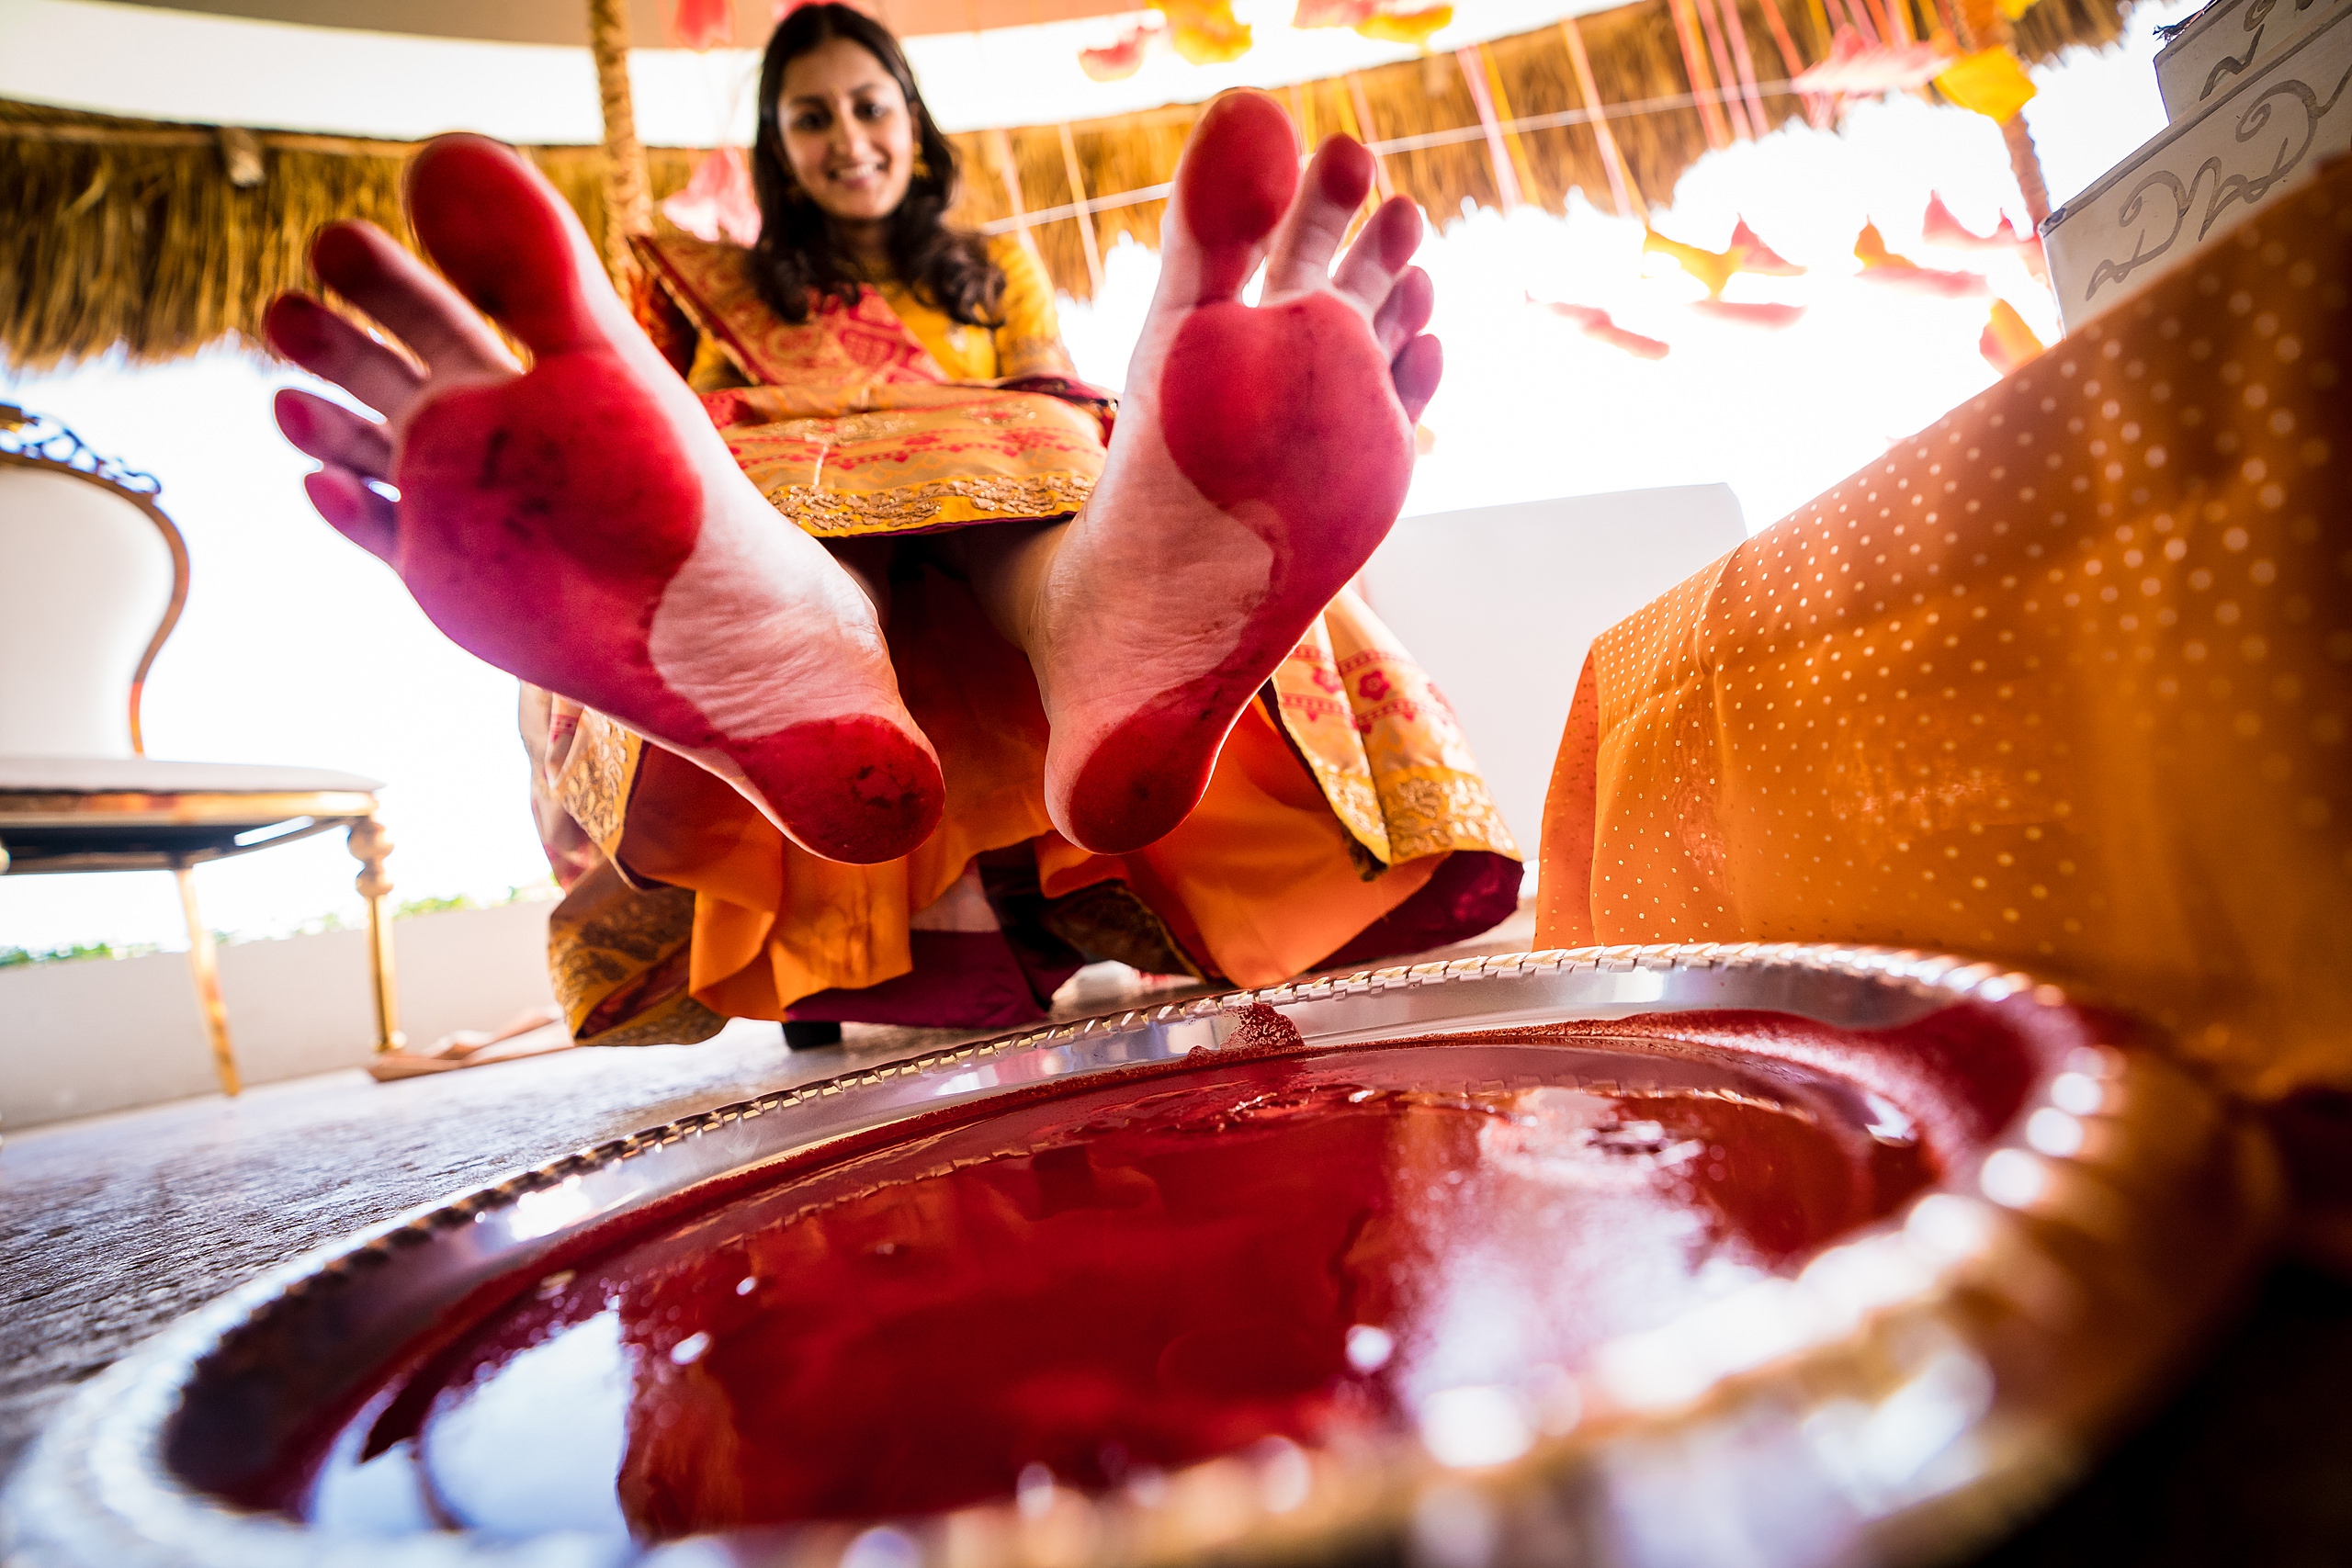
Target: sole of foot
579, 523
1263, 453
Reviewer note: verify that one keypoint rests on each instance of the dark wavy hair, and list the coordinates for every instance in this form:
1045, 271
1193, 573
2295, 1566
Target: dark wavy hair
798, 259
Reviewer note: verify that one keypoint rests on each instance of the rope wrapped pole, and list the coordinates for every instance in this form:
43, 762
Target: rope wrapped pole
628, 203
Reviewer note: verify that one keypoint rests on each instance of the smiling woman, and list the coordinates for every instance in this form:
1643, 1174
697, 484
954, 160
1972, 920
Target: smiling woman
1012, 693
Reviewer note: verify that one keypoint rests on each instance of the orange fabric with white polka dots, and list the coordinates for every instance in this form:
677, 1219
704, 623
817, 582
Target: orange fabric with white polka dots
2063, 681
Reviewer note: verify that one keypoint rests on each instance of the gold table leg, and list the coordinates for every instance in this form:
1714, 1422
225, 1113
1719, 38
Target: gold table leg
204, 963
370, 845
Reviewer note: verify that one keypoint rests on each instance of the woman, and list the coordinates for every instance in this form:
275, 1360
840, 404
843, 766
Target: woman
1114, 720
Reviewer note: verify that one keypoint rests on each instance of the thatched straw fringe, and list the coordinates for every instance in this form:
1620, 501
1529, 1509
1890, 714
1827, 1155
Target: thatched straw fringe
129, 233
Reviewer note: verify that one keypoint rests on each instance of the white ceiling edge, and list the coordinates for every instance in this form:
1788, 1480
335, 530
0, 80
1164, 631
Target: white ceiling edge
152, 64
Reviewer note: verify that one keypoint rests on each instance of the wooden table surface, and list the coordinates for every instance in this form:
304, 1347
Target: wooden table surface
112, 1226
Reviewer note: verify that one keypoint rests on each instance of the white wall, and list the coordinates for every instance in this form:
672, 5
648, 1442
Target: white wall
1499, 604
98, 1035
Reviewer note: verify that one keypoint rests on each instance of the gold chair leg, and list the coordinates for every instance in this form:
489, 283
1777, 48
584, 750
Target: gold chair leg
370, 845
204, 966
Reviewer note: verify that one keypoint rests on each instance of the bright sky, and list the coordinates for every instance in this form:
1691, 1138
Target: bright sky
297, 648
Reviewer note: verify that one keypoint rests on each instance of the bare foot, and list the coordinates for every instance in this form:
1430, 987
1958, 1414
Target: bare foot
1260, 455
580, 525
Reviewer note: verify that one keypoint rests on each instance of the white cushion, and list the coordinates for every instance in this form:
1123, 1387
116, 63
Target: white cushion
152, 775
86, 577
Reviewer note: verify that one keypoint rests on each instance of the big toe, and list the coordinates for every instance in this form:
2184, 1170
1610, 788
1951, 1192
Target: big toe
510, 243
1235, 180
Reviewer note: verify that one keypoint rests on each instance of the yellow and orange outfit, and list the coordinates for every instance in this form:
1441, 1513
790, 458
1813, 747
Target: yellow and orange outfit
1345, 820
2064, 682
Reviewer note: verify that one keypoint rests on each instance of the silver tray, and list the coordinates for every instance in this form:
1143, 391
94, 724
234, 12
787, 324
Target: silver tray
1912, 1389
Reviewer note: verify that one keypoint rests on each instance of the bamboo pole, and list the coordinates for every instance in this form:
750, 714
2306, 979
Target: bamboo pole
1083, 214
629, 206
1621, 177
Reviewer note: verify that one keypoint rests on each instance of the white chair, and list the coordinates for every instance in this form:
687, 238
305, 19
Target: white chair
93, 576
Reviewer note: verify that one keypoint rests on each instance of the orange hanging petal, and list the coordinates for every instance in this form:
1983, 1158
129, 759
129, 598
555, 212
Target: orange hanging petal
2008, 342
1992, 82
1204, 32
1713, 268
1410, 28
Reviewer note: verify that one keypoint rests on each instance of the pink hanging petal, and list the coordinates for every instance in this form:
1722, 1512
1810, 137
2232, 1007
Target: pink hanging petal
1118, 62
703, 24
718, 201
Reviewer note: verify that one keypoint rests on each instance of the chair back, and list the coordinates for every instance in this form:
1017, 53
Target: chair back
93, 576
1499, 604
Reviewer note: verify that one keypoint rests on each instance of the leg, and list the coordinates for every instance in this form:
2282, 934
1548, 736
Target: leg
1262, 454
868, 562
580, 525
204, 967
370, 845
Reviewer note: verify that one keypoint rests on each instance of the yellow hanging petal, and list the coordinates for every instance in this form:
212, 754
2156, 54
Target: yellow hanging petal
1204, 32
1990, 82
2013, 9
1412, 27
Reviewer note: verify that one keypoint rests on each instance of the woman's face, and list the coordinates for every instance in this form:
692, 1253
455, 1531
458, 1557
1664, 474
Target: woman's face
848, 134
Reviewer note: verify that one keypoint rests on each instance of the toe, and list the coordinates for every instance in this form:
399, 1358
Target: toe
512, 246
334, 435
363, 265
323, 342
1233, 186
358, 513
1415, 371
1405, 311
1380, 255
1336, 185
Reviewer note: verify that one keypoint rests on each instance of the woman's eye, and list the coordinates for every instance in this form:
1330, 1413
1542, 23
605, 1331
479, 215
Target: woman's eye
870, 111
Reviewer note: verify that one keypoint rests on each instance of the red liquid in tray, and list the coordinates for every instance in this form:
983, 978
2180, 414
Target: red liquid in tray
1128, 1277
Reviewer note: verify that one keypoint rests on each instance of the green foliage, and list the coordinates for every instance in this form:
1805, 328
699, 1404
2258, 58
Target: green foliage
10, 957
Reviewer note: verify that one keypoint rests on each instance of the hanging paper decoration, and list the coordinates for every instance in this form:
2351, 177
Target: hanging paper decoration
1409, 28
1716, 268
718, 202
1595, 323
1990, 82
703, 24
1883, 265
1204, 32
1332, 13
1940, 228
1118, 62
2008, 342
1750, 313
1856, 68
1760, 258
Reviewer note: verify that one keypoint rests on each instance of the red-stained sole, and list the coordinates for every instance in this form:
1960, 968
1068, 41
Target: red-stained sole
541, 520
1282, 417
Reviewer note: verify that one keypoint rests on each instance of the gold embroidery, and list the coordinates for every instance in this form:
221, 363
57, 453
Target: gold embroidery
939, 503
616, 956
1382, 744
680, 1020
597, 773
1432, 810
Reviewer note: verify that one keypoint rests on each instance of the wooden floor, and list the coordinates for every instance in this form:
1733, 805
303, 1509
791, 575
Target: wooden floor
110, 1227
